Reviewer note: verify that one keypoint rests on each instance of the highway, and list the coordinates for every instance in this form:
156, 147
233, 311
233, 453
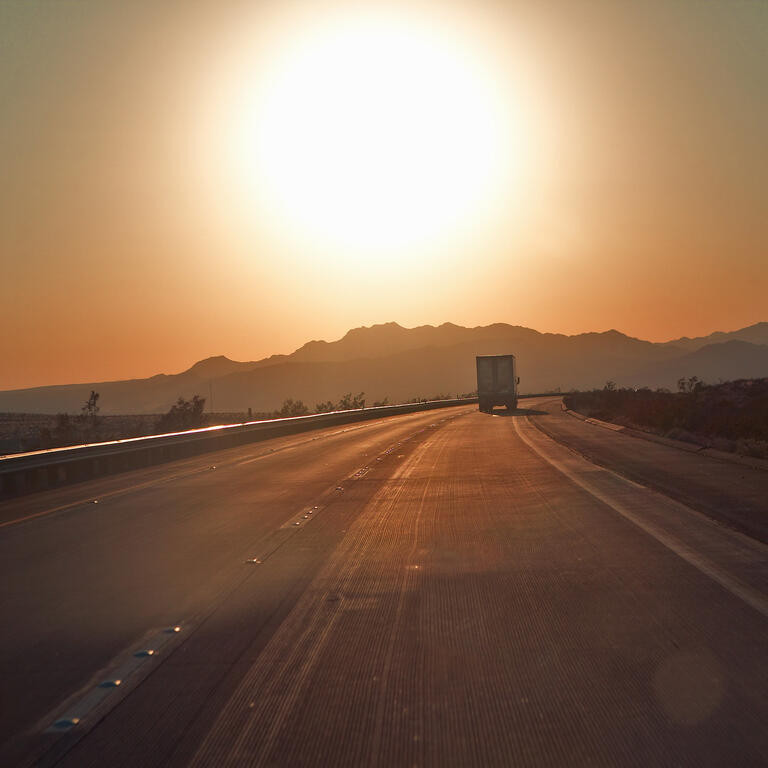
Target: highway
434, 589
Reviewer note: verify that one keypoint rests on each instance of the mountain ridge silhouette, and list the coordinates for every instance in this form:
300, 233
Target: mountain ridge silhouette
388, 360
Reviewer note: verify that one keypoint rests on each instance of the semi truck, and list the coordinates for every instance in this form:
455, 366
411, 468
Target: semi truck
497, 381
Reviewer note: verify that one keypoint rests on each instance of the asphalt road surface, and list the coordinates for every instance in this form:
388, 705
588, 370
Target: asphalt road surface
434, 589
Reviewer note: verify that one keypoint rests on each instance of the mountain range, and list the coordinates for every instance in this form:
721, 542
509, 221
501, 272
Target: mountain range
388, 360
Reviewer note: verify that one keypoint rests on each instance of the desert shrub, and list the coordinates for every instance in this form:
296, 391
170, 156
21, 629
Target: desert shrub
65, 431
350, 402
184, 414
732, 411
292, 407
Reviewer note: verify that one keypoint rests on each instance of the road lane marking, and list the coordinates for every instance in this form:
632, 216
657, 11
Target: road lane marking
751, 597
122, 673
336, 490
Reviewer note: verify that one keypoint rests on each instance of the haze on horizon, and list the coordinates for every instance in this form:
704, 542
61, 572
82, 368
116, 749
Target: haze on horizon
237, 178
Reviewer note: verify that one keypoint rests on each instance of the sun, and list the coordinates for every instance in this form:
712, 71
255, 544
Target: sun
375, 132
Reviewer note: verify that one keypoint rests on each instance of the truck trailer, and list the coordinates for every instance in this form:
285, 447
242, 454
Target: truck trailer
497, 381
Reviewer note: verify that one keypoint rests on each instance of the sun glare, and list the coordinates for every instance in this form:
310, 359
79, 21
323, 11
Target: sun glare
374, 132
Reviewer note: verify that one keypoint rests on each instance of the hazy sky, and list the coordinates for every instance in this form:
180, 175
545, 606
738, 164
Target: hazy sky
187, 179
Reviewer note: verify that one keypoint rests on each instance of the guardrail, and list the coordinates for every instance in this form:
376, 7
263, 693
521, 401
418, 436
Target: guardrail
27, 472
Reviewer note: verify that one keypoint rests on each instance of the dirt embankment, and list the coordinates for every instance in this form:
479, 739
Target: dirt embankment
732, 416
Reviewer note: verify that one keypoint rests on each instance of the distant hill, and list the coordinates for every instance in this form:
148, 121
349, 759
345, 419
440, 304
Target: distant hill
753, 334
401, 363
215, 367
713, 363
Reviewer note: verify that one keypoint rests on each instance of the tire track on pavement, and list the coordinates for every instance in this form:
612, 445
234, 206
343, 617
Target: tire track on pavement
270, 691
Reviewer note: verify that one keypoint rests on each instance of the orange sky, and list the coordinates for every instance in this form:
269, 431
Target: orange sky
138, 234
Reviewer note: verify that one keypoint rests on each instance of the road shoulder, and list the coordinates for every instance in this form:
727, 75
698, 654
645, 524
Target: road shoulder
732, 494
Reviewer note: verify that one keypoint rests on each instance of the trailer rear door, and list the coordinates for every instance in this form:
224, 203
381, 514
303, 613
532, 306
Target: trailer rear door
485, 375
505, 374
